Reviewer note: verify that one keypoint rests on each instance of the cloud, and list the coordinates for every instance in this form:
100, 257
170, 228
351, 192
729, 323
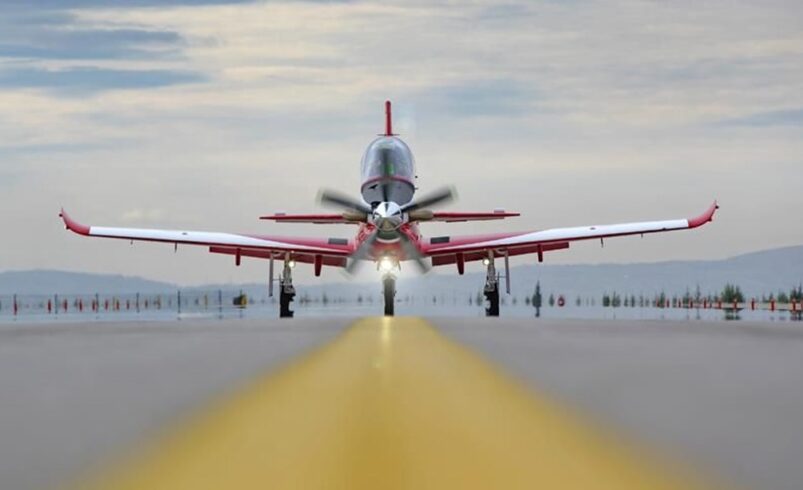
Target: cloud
56, 51
496, 97
31, 34
139, 215
791, 117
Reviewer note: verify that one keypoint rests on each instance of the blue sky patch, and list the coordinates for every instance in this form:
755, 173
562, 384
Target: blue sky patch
790, 117
92, 44
82, 80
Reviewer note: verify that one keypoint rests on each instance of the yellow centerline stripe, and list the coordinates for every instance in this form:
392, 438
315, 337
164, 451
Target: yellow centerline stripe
389, 404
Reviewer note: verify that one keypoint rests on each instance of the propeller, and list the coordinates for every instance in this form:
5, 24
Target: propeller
387, 217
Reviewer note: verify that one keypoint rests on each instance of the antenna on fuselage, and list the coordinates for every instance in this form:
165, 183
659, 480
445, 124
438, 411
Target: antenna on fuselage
388, 120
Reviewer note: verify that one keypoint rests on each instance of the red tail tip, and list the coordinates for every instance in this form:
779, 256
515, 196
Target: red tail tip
388, 119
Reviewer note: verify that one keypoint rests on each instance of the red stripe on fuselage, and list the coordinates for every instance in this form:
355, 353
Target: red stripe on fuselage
387, 177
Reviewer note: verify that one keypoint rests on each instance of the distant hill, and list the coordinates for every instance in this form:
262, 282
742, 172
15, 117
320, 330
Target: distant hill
756, 273
50, 281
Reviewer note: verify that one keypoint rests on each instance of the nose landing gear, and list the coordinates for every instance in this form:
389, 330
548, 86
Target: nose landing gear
389, 293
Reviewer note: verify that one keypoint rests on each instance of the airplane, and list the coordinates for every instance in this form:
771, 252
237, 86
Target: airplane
387, 215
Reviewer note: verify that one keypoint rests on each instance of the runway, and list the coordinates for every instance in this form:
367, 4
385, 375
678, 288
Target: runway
401, 403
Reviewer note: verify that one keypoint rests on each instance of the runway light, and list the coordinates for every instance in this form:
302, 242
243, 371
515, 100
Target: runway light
486, 261
291, 264
387, 264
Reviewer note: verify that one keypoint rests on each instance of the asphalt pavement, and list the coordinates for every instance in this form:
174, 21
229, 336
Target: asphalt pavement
725, 398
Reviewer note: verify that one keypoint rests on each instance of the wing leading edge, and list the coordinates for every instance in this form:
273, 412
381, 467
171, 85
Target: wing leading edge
318, 219
556, 238
329, 219
454, 217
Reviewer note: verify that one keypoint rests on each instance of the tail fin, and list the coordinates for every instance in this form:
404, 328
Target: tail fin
388, 120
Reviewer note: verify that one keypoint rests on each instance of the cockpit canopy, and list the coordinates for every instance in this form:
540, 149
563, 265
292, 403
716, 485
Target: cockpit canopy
388, 156
388, 171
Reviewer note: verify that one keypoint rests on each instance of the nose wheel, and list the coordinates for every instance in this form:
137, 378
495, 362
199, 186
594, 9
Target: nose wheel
389, 293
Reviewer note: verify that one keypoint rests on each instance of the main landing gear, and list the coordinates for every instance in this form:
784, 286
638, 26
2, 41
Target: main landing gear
389, 293
491, 289
286, 289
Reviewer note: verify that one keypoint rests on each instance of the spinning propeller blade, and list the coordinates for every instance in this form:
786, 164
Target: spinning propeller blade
339, 200
412, 252
439, 196
361, 253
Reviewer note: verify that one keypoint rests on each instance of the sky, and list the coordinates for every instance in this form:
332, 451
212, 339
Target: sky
207, 114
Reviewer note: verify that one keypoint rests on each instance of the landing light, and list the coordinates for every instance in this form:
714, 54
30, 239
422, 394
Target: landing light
291, 264
486, 261
387, 264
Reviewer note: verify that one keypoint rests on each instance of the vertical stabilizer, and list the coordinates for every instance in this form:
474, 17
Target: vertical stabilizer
388, 119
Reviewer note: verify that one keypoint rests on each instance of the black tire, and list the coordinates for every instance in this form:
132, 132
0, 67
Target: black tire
492, 300
389, 293
284, 304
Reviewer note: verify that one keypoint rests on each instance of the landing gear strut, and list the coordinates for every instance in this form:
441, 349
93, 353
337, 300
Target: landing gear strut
491, 289
389, 293
286, 290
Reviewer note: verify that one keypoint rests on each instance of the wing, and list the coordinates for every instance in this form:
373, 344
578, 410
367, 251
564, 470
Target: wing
444, 250
333, 250
452, 217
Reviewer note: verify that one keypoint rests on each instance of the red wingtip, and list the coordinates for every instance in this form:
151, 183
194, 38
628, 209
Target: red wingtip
388, 119
704, 218
73, 225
